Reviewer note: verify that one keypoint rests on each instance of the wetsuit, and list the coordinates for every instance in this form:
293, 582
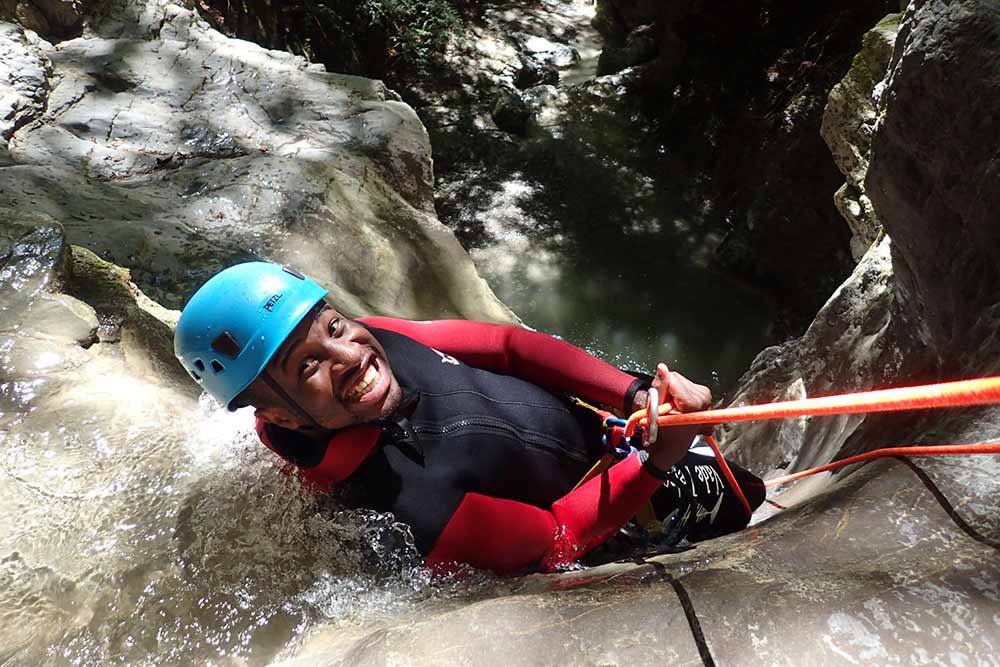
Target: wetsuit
481, 455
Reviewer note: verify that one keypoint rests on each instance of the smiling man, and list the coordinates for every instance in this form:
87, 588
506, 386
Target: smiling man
463, 430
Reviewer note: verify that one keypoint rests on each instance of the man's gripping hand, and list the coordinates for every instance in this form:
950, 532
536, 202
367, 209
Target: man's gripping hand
685, 396
682, 393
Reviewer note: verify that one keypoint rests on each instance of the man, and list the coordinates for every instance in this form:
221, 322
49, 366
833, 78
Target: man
463, 430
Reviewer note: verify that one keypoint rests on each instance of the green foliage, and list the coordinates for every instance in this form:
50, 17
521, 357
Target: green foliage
365, 37
416, 28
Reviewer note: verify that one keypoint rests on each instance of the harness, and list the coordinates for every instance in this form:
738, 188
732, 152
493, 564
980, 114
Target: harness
618, 445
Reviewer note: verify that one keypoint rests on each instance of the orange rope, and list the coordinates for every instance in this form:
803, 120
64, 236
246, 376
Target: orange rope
943, 395
980, 391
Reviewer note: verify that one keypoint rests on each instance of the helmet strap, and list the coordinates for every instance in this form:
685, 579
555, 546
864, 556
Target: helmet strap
292, 403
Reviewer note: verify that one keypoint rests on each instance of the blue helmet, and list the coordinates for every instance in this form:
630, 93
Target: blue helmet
235, 322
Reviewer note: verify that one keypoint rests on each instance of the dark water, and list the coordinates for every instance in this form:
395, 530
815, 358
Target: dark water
597, 235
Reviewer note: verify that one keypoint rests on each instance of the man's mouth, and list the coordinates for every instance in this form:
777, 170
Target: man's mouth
371, 384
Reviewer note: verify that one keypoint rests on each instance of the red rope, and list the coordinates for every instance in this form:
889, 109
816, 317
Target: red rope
962, 393
728, 474
920, 450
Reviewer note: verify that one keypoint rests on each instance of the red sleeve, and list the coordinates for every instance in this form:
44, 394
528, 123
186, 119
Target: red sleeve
529, 355
508, 536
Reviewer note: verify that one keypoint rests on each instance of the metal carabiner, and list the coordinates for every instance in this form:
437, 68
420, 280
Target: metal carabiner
652, 411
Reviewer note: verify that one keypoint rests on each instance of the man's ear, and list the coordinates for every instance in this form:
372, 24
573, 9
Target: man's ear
277, 416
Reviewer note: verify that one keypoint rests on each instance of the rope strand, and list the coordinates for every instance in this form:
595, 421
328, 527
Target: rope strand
962, 393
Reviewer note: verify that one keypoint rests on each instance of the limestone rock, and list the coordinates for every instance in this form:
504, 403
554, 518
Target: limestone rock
63, 317
24, 85
848, 122
858, 575
922, 304
548, 51
144, 328
170, 149
933, 175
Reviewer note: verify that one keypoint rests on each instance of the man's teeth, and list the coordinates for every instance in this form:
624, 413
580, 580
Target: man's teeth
364, 384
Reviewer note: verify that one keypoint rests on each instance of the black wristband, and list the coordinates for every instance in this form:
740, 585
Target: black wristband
637, 385
659, 473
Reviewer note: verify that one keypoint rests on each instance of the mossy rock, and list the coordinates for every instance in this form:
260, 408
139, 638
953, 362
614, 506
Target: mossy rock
144, 328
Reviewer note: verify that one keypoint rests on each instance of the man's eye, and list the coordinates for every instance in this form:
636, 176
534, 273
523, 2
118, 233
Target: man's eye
306, 365
334, 326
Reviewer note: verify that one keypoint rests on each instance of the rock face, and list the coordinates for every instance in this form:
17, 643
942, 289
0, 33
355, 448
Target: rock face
848, 123
170, 149
921, 305
934, 168
52, 19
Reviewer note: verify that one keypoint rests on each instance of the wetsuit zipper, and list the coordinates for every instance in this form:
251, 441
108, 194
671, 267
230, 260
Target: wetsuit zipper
537, 440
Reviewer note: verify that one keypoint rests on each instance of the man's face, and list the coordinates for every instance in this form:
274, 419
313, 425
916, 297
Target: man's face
335, 370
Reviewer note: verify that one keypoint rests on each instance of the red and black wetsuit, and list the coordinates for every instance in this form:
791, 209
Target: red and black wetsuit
481, 456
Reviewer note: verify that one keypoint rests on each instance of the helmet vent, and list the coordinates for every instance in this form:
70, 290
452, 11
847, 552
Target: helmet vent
289, 270
200, 365
217, 367
225, 343
195, 376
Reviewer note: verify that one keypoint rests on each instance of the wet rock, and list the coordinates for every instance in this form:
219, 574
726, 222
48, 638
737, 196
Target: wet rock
547, 51
856, 342
52, 19
510, 112
61, 316
168, 148
874, 569
33, 259
640, 46
848, 123
144, 328
534, 73
639, 621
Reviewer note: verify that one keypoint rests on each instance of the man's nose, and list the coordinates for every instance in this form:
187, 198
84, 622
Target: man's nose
344, 354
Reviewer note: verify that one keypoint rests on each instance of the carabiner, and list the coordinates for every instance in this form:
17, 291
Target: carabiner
652, 412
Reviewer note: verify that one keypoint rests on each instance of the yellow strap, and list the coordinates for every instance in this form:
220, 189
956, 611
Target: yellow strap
584, 404
598, 468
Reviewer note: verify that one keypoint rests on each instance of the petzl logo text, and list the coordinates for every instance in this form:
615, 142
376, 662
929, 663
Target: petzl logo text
271, 303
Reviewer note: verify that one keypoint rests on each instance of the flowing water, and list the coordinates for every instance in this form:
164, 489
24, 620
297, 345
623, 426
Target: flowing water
151, 536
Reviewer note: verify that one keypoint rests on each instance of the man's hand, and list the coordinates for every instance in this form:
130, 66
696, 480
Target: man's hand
685, 396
